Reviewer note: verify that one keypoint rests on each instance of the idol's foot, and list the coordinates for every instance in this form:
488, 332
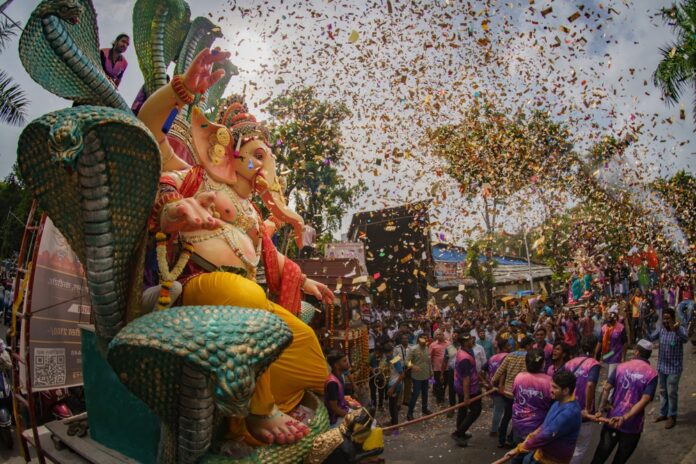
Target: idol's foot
276, 428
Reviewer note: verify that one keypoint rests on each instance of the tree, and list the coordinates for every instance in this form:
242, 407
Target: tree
15, 203
676, 70
481, 271
13, 101
309, 152
679, 192
583, 235
604, 223
494, 152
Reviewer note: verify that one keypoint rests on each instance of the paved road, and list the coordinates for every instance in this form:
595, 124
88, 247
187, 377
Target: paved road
430, 442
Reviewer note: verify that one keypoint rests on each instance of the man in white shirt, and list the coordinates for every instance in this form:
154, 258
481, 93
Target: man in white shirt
445, 311
491, 333
309, 235
447, 330
479, 355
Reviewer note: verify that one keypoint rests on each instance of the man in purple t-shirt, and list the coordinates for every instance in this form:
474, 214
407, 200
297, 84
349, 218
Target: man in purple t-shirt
634, 383
585, 368
531, 394
334, 396
467, 386
540, 343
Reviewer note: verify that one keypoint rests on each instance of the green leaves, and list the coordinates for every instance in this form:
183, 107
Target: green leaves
500, 149
13, 101
308, 148
678, 63
7, 32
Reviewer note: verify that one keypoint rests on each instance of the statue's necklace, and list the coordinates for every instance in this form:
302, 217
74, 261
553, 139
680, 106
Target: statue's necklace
246, 217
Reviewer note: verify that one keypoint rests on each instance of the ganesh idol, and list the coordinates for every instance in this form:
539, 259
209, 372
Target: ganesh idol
206, 207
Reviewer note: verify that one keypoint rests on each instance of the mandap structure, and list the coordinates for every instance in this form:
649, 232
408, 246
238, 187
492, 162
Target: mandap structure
159, 209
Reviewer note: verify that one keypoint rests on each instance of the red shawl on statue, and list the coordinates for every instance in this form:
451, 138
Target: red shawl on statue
285, 289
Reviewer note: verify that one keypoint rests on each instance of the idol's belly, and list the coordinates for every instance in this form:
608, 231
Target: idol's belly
225, 249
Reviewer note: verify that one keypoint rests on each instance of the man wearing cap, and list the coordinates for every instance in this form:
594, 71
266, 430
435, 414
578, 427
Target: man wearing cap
613, 343
504, 378
421, 371
670, 363
634, 383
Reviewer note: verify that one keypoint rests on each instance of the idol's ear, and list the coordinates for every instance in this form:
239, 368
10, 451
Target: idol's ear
269, 187
213, 144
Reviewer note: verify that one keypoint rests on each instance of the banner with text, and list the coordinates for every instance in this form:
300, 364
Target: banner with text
59, 302
343, 250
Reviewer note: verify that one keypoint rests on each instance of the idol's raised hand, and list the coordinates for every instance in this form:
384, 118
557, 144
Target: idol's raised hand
199, 77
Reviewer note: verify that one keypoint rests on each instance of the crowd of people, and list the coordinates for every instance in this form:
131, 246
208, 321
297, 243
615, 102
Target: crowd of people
540, 366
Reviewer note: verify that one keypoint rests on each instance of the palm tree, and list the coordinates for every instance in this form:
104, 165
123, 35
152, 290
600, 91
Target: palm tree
13, 101
677, 70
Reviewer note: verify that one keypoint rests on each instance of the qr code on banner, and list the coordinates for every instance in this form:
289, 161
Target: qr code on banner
49, 367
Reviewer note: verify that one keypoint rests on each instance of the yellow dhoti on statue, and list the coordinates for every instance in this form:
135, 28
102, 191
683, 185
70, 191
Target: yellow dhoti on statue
300, 367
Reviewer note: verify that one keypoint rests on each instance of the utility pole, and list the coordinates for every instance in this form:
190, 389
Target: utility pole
5, 5
529, 262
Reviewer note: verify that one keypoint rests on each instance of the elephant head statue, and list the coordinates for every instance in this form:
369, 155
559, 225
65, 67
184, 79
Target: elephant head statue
236, 150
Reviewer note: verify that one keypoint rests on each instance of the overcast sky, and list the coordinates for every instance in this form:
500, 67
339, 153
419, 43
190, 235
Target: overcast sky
413, 65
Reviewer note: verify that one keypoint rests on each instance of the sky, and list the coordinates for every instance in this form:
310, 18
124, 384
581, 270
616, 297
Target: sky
402, 67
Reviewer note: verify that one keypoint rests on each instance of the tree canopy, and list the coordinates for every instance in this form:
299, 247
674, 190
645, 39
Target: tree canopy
497, 151
15, 203
677, 69
13, 100
494, 152
310, 153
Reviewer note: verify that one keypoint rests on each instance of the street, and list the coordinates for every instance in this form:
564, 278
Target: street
430, 441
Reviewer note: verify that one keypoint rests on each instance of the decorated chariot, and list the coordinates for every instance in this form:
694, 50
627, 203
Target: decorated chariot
214, 370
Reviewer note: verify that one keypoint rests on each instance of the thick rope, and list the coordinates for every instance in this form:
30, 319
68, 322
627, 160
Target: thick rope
444, 411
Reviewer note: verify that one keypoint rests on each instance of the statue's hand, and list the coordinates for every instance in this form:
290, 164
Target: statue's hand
318, 290
199, 76
273, 224
190, 214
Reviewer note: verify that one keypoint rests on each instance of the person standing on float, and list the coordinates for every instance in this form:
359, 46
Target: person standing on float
112, 60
